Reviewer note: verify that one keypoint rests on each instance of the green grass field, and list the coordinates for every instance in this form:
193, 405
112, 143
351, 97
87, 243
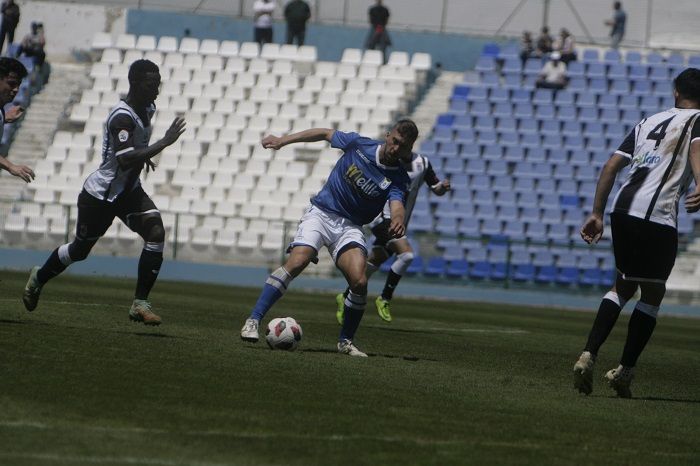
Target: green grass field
446, 384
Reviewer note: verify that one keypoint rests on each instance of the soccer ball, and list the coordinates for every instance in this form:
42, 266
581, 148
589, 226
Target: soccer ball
283, 333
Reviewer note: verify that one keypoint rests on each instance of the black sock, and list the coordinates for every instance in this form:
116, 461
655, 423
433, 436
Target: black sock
391, 281
608, 312
51, 268
149, 266
345, 293
639, 332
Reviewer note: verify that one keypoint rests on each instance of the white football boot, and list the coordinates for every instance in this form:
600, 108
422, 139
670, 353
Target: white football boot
249, 332
583, 373
620, 379
346, 347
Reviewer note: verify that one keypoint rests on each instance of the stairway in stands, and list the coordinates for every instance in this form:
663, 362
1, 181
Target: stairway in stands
40, 122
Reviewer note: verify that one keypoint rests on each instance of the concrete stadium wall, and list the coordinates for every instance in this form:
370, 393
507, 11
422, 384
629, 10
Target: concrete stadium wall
455, 51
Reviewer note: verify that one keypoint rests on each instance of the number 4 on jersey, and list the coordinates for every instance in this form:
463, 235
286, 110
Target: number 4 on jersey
659, 132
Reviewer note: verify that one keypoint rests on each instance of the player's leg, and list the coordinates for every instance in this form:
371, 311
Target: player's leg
608, 312
404, 256
352, 262
309, 238
140, 214
94, 218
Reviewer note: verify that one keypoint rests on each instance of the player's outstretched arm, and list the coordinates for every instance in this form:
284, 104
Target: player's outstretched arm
442, 187
592, 229
140, 156
692, 201
20, 171
398, 215
309, 135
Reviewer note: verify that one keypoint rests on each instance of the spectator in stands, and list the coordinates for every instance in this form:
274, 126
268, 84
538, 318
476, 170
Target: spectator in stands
565, 46
33, 44
617, 25
527, 46
12, 72
262, 16
378, 37
553, 74
544, 42
10, 19
297, 13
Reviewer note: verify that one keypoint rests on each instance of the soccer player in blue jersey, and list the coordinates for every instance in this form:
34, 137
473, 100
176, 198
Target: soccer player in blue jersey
367, 175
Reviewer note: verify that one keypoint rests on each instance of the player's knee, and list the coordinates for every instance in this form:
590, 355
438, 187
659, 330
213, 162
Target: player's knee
358, 285
406, 257
402, 262
155, 233
78, 250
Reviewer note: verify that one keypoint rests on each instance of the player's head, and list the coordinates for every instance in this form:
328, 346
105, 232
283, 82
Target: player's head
400, 139
12, 72
617, 5
686, 86
144, 80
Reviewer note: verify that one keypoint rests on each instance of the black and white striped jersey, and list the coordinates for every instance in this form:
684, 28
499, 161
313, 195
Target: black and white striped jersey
2, 123
660, 173
124, 131
419, 171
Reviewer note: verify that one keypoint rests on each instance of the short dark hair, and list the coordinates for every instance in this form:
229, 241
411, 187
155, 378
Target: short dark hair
139, 68
11, 65
687, 84
617, 5
407, 128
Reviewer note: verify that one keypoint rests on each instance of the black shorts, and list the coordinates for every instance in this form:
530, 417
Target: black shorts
382, 237
644, 251
95, 216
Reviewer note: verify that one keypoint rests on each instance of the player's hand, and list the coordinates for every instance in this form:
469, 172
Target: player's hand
592, 229
175, 131
692, 202
397, 229
22, 171
14, 114
150, 166
272, 142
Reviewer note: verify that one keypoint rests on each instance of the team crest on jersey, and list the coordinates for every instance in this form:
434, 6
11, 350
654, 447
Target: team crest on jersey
123, 135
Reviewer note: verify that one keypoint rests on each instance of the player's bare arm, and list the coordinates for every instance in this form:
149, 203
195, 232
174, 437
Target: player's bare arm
14, 113
140, 156
441, 188
592, 229
692, 201
20, 171
309, 135
398, 215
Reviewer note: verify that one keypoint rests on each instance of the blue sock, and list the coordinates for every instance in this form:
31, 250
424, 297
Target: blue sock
354, 310
275, 286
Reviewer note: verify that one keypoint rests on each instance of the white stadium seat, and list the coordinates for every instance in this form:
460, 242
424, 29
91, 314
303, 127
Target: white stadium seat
125, 41
145, 43
189, 45
167, 44
249, 50
101, 41
229, 48
352, 56
209, 47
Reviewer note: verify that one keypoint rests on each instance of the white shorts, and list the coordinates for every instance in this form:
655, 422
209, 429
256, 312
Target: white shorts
318, 228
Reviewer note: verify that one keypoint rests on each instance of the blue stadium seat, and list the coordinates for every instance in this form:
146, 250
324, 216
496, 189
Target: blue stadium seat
526, 170
435, 267
386, 266
631, 116
503, 185
544, 112
569, 200
595, 70
469, 151
521, 96
480, 108
457, 269
486, 211
567, 276
514, 229
551, 142
586, 173
442, 134
416, 266
512, 81
593, 129
617, 71
579, 158
528, 198
480, 270
590, 56
491, 226
464, 136
486, 136
499, 95
558, 232
461, 90
530, 140
549, 201
566, 113
564, 172
663, 89
546, 185
469, 227
453, 166
503, 109
492, 152
588, 114
447, 149
607, 277
482, 197
564, 98
523, 111
694, 61
497, 167
462, 122
446, 225
490, 80
428, 147
512, 66
551, 216
445, 119
514, 154
543, 259
654, 58
577, 85
611, 56
558, 157
590, 277
477, 94
676, 59
458, 106
648, 103
506, 124
490, 49
642, 88
575, 69
523, 272
533, 66
550, 127
485, 64
586, 99
607, 101
633, 57
535, 231
598, 86
597, 145
546, 274
476, 255
619, 87
528, 125
629, 101
637, 72
486, 122
543, 96
572, 218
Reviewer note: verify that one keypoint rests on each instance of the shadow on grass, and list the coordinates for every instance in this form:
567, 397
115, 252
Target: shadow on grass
372, 355
10, 321
669, 400
149, 334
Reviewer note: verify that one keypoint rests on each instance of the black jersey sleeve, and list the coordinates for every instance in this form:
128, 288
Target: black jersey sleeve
431, 179
121, 130
627, 146
695, 132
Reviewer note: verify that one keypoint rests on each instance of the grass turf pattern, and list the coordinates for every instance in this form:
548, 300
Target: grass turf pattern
446, 384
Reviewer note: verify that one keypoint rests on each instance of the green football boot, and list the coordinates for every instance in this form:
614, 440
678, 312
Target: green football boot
340, 312
383, 309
